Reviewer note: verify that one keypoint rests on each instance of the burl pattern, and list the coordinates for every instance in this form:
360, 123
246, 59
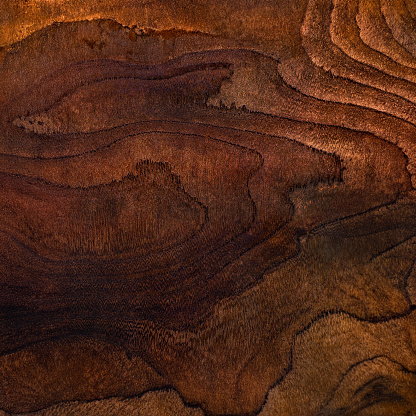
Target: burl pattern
210, 210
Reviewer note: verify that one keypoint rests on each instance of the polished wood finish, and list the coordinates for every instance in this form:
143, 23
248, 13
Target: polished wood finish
208, 208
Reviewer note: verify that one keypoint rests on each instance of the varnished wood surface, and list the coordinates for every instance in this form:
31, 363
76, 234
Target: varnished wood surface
208, 208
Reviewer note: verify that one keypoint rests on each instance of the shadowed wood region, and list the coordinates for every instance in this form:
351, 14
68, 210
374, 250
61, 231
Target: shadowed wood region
208, 208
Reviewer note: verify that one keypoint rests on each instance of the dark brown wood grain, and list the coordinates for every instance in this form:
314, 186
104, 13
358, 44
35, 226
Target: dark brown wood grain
215, 217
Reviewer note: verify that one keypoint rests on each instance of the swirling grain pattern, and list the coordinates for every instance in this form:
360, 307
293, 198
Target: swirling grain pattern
208, 208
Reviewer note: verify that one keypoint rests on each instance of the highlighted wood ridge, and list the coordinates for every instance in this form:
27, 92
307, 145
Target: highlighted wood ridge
209, 219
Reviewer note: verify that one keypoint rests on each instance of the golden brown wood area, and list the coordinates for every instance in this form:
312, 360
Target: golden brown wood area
208, 208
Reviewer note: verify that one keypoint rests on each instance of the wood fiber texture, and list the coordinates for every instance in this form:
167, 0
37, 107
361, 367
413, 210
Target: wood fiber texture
208, 208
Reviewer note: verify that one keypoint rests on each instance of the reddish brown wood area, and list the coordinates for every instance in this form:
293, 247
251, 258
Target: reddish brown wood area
208, 208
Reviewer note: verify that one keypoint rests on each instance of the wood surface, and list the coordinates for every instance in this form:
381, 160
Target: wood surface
208, 208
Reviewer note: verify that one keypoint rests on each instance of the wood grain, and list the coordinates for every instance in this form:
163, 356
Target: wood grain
208, 208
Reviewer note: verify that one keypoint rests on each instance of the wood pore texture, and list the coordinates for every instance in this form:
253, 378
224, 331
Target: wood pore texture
208, 207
